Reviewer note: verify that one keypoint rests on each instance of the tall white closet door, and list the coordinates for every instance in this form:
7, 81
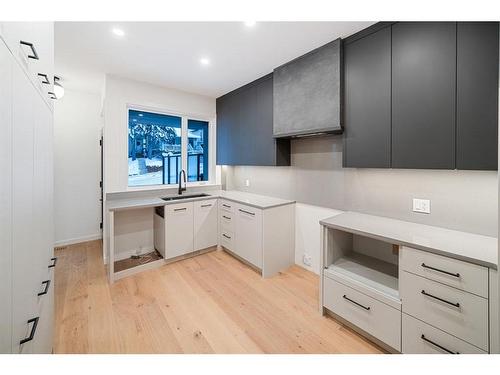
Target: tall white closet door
5, 198
25, 266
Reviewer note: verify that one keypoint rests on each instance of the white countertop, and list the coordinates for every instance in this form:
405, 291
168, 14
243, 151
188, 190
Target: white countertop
254, 200
473, 248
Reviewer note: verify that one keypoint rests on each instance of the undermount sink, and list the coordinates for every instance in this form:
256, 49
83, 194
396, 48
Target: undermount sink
187, 196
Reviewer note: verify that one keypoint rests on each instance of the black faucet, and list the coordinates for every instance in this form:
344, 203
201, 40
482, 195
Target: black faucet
181, 189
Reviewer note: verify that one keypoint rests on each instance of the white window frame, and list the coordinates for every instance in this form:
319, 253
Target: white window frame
212, 178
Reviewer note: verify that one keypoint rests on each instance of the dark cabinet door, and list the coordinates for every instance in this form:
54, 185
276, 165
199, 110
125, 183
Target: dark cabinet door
423, 95
227, 128
247, 137
477, 95
367, 101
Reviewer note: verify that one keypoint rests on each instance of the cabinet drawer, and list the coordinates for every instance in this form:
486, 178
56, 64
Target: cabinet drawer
226, 220
421, 338
456, 273
372, 316
226, 206
227, 239
459, 313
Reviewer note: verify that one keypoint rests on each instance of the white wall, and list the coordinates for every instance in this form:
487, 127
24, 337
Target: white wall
77, 126
119, 94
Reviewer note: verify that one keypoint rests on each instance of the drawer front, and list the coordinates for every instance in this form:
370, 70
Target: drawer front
226, 220
372, 316
456, 312
421, 338
226, 206
226, 239
462, 275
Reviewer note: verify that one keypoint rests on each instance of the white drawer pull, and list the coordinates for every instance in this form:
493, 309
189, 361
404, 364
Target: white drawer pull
442, 271
437, 345
356, 303
440, 299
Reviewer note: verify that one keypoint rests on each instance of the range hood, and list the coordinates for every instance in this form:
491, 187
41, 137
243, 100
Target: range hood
307, 94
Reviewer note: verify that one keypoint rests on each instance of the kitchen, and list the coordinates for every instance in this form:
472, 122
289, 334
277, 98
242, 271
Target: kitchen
336, 195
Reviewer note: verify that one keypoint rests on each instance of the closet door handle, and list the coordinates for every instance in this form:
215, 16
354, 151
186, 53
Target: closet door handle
45, 78
34, 54
456, 304
442, 271
54, 261
437, 345
47, 285
33, 330
247, 212
356, 303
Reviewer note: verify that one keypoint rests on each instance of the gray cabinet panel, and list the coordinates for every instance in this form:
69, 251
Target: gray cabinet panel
307, 93
245, 127
423, 95
367, 90
477, 95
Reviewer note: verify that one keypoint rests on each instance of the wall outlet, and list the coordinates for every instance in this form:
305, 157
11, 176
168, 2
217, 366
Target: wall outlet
307, 260
247, 182
422, 205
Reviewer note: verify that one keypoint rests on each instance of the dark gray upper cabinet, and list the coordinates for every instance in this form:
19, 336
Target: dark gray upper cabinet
307, 93
367, 101
245, 127
423, 95
477, 95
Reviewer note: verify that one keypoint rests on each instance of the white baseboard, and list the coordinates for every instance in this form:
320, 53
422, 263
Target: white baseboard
72, 241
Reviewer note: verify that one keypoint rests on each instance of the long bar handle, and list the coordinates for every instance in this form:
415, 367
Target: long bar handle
436, 344
442, 271
356, 303
456, 304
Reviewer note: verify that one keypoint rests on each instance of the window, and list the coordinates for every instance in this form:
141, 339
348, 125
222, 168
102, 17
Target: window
156, 146
197, 150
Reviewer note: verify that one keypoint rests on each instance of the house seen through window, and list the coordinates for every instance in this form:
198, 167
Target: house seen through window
155, 147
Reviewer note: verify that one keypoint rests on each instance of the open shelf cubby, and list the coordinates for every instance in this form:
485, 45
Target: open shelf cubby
364, 263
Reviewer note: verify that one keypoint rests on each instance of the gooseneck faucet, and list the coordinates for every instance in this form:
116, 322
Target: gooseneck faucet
183, 174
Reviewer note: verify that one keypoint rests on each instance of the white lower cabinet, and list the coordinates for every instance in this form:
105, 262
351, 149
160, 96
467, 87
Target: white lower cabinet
205, 224
248, 244
374, 317
178, 229
422, 338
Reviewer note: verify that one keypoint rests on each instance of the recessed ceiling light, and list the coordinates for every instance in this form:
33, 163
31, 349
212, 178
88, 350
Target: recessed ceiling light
205, 61
117, 31
250, 23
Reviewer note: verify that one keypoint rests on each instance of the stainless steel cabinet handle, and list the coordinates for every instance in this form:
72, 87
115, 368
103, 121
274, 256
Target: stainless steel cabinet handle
45, 78
356, 303
180, 209
437, 345
33, 330
47, 285
225, 235
206, 205
226, 217
442, 271
34, 54
440, 299
225, 205
247, 212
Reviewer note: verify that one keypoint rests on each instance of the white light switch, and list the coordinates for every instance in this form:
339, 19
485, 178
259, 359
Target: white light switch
422, 205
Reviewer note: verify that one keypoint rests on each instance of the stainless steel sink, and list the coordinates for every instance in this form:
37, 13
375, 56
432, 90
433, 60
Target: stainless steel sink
187, 196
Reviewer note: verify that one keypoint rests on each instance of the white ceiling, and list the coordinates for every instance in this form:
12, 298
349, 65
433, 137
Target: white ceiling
168, 53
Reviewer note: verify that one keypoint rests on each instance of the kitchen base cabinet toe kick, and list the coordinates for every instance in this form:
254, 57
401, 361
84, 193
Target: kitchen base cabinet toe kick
406, 299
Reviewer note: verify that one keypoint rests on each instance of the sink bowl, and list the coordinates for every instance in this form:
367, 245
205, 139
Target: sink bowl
187, 196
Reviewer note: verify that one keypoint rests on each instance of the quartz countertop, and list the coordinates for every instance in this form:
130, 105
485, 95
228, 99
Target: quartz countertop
254, 200
469, 247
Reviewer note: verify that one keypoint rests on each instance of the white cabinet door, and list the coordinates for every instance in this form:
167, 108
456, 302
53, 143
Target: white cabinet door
25, 260
249, 234
178, 229
5, 198
205, 224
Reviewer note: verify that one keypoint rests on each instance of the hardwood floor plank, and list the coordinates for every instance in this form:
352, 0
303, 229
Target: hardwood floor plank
211, 303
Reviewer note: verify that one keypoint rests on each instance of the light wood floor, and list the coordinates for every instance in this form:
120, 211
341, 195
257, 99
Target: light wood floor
208, 304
